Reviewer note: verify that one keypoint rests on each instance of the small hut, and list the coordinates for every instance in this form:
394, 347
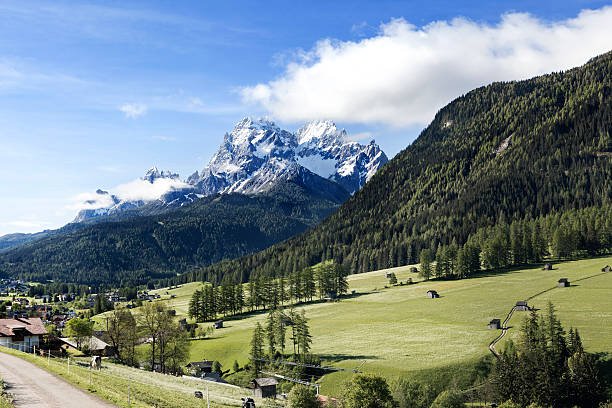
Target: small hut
331, 295
264, 387
495, 324
218, 324
606, 268
413, 269
432, 294
521, 306
547, 267
388, 275
563, 283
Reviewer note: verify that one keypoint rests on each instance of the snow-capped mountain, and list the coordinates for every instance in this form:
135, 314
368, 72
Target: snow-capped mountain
257, 153
253, 158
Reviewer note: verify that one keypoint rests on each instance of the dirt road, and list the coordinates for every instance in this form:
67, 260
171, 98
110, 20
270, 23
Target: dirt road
34, 387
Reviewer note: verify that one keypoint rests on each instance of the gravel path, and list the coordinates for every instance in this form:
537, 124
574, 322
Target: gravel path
34, 387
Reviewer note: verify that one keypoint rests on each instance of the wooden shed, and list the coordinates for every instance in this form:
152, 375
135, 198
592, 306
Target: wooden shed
547, 267
432, 294
218, 324
413, 269
521, 306
563, 283
606, 268
264, 387
495, 324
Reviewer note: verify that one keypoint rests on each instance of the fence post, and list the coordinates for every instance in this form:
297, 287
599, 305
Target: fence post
48, 357
90, 375
130, 391
68, 365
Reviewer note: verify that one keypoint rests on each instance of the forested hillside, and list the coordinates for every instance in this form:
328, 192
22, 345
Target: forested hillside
502, 153
134, 250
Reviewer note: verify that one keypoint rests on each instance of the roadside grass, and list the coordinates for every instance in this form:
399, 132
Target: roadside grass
6, 401
146, 389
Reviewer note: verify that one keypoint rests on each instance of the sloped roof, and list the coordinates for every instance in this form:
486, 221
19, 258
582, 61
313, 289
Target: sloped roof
33, 326
201, 364
93, 344
265, 382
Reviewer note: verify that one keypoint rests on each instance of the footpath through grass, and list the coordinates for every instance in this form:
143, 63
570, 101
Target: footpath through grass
146, 389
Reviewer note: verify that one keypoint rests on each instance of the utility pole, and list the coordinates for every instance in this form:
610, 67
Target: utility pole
48, 357
68, 365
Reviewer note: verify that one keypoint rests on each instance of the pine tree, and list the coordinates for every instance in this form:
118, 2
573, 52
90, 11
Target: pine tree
257, 348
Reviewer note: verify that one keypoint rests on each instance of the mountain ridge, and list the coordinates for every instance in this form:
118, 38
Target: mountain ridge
251, 159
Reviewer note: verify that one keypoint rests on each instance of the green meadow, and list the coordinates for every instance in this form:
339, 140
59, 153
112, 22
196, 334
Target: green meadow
397, 331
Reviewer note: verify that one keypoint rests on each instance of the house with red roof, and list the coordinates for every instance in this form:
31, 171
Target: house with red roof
22, 333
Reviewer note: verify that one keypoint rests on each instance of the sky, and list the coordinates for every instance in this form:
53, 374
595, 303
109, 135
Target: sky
92, 94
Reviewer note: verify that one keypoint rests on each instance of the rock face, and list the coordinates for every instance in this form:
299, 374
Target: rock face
257, 152
254, 157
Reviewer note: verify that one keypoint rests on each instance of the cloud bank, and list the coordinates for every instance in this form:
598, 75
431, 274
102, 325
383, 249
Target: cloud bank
136, 190
403, 75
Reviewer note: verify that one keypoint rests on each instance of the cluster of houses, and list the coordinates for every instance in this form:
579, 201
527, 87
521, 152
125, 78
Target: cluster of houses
13, 286
145, 295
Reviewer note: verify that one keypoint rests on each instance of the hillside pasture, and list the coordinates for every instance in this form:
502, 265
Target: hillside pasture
398, 331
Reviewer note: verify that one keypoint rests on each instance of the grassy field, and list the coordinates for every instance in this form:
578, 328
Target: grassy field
397, 331
146, 389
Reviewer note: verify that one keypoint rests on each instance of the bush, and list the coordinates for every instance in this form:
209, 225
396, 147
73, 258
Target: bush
367, 391
449, 399
302, 396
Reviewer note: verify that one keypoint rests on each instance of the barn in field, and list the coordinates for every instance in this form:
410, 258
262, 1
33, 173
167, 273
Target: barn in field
563, 283
264, 387
547, 267
432, 294
521, 306
495, 324
606, 268
218, 324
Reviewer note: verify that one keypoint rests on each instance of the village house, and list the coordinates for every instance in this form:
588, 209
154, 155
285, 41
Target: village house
264, 387
563, 283
22, 333
495, 324
200, 367
93, 345
521, 306
547, 267
432, 294
218, 324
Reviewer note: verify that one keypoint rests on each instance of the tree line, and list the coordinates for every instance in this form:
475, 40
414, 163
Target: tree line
261, 293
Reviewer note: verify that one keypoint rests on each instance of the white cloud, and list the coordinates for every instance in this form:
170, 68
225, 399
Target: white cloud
143, 190
135, 190
133, 110
404, 74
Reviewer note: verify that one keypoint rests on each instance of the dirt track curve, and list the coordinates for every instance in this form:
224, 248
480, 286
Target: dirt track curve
34, 387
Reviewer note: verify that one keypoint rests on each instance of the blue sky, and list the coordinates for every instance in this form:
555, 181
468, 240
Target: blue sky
94, 93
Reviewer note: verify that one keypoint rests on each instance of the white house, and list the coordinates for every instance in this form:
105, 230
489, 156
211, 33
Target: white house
21, 333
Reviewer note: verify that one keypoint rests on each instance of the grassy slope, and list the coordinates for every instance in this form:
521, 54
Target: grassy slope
398, 331
147, 389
